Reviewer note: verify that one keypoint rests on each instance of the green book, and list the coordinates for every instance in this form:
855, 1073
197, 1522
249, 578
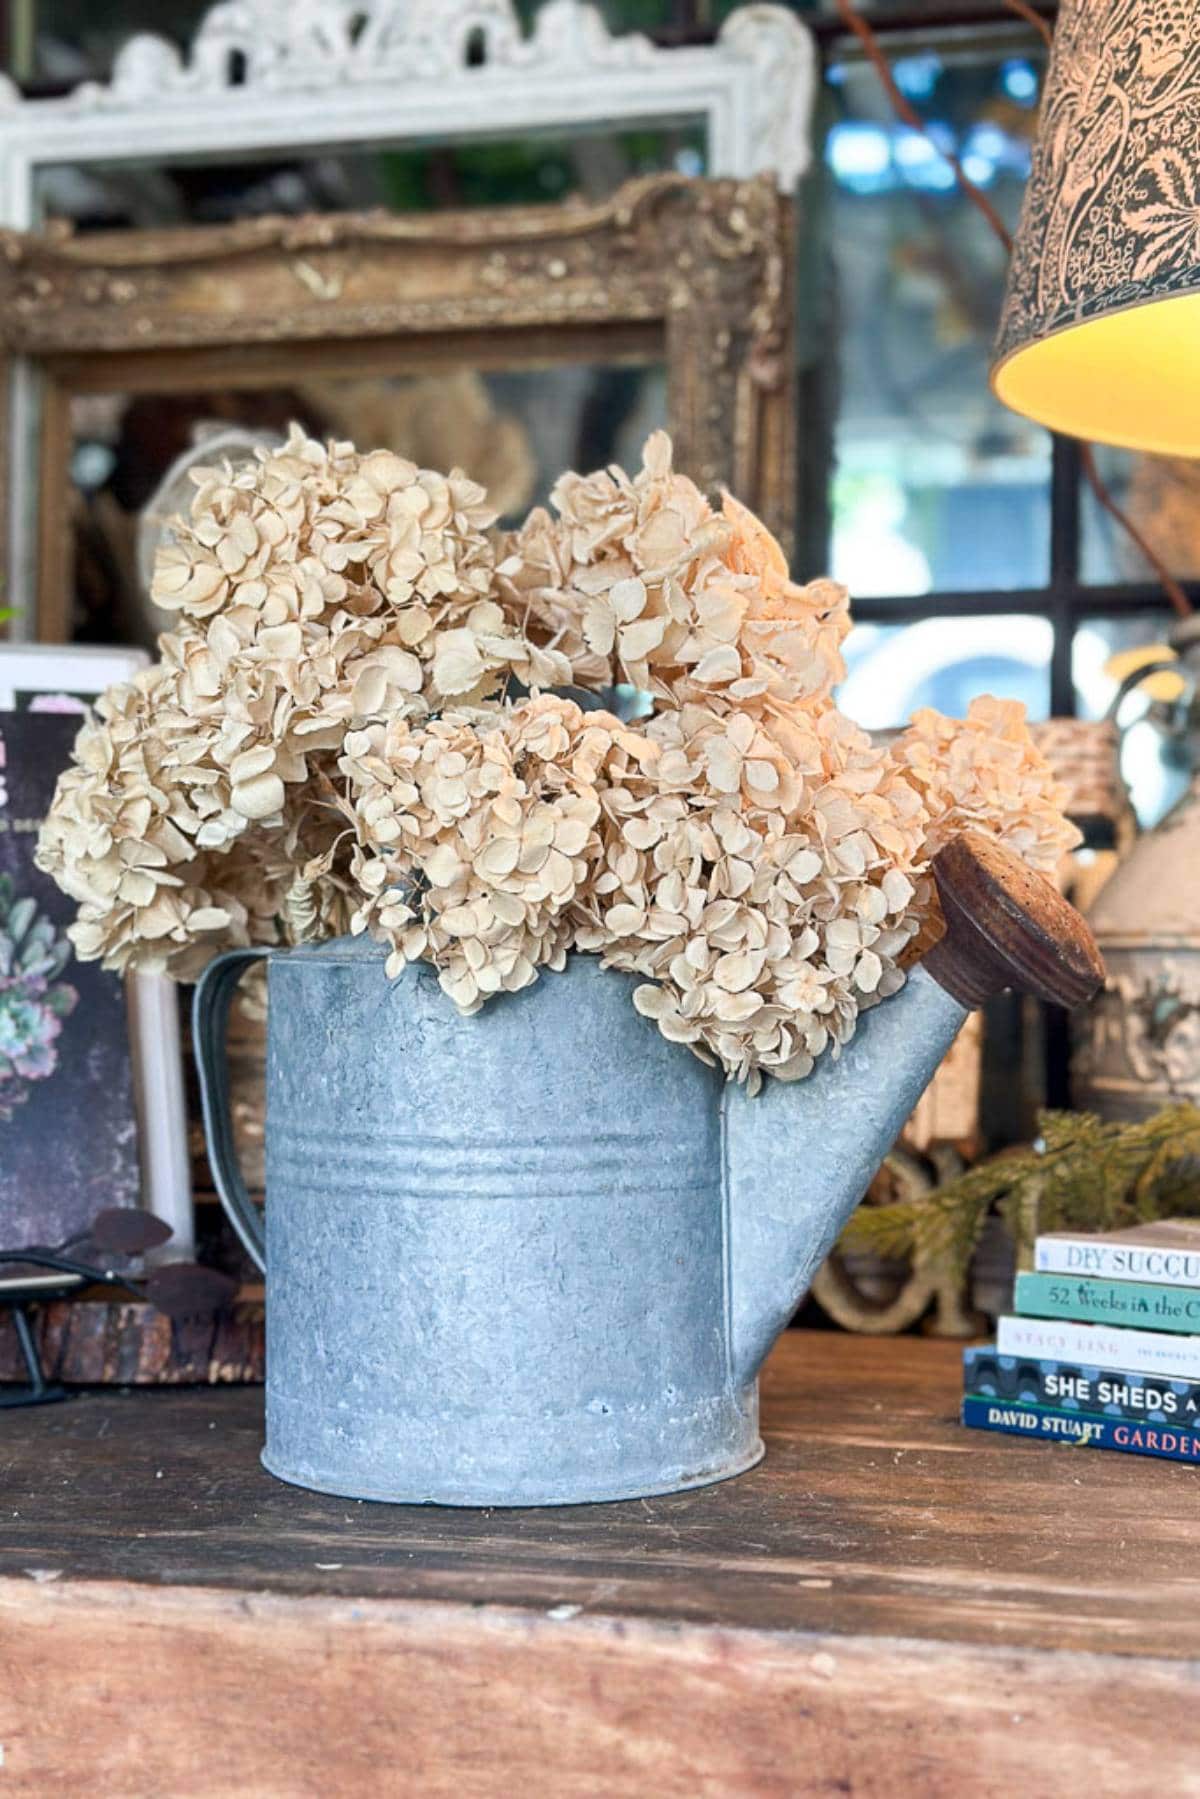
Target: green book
1139, 1305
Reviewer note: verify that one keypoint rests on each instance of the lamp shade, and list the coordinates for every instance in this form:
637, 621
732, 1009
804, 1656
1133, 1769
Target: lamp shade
1100, 332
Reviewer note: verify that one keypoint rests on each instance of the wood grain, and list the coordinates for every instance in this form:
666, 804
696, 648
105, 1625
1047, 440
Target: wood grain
889, 1605
92, 1341
217, 1693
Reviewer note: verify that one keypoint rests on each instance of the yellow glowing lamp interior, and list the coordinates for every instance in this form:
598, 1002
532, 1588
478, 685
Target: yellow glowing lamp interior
1130, 378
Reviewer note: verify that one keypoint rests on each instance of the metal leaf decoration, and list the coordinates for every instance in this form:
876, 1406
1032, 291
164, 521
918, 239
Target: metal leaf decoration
127, 1230
186, 1290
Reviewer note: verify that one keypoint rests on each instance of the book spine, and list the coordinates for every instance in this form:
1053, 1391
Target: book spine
1117, 1262
1084, 1432
1135, 1303
1101, 1346
1064, 1386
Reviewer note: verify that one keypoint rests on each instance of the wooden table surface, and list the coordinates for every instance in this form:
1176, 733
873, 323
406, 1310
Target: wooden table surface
888, 1605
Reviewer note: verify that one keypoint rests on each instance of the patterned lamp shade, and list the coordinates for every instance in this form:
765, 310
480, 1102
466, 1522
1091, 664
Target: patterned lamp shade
1100, 333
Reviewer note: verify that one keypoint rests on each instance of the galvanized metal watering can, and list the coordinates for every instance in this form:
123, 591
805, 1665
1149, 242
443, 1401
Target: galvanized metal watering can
538, 1256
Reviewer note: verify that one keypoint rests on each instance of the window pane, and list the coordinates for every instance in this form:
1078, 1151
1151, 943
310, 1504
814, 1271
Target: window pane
945, 662
1155, 770
937, 485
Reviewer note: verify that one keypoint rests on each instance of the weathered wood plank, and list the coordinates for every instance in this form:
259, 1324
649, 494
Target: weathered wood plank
93, 1341
125, 1690
888, 1606
874, 1512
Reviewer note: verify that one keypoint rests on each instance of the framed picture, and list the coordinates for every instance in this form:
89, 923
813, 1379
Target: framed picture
675, 290
91, 1083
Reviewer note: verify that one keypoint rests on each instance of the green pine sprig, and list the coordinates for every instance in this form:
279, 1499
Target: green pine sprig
1081, 1174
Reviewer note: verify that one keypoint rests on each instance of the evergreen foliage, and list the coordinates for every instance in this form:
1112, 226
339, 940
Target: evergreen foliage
1080, 1174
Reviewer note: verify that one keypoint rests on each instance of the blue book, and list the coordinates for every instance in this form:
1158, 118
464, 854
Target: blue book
1081, 1430
1072, 1386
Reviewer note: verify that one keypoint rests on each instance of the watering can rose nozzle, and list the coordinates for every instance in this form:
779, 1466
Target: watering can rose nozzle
1006, 926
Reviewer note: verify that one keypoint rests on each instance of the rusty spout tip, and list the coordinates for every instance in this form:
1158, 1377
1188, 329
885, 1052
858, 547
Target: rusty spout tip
1007, 926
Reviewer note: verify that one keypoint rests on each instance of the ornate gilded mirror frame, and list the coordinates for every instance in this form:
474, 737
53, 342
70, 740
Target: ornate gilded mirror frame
261, 79
689, 273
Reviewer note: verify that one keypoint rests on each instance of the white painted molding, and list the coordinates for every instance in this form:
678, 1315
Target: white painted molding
274, 76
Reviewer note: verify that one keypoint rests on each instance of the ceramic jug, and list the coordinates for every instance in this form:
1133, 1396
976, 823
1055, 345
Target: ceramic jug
537, 1256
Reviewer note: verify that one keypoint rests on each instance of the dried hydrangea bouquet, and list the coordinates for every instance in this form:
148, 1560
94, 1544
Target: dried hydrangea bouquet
330, 742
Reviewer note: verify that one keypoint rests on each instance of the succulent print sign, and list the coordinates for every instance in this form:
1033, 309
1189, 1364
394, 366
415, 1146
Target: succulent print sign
33, 1002
68, 1138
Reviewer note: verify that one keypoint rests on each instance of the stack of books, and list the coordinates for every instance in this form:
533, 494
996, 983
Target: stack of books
1104, 1349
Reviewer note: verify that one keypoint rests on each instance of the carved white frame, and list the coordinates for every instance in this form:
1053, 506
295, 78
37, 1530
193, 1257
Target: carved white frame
266, 76
275, 75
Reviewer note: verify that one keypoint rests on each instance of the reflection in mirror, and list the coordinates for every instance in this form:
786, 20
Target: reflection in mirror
523, 171
513, 431
892, 670
938, 486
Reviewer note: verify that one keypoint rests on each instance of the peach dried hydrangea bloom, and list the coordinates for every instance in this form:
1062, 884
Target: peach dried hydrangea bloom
322, 738
641, 581
981, 773
985, 773
765, 920
476, 831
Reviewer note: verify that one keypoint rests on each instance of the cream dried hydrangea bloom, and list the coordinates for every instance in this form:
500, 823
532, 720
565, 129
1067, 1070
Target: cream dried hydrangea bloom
319, 589
122, 833
324, 744
475, 833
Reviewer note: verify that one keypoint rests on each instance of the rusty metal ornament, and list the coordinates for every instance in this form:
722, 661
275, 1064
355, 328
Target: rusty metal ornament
1139, 1047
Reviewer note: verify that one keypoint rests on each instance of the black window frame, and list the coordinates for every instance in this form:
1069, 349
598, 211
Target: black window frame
1065, 599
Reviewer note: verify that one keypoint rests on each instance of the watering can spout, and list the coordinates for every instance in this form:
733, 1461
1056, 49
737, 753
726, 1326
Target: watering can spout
799, 1157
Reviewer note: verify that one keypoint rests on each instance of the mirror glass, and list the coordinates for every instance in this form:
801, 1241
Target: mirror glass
514, 431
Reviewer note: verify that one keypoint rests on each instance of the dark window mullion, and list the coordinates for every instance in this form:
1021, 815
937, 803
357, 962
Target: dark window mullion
1118, 599
1064, 572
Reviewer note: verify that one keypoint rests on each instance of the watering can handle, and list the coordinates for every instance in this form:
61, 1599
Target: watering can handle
210, 1020
1006, 926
